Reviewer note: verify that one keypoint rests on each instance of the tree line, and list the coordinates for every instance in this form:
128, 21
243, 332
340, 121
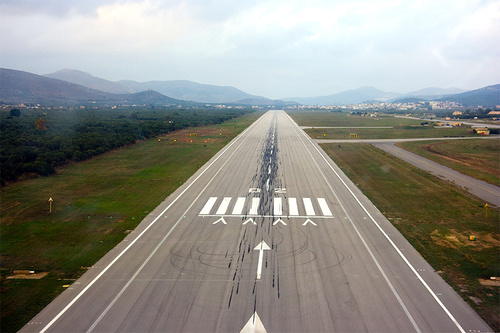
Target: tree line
36, 142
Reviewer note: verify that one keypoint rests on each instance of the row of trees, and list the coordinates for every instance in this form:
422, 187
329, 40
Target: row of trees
35, 142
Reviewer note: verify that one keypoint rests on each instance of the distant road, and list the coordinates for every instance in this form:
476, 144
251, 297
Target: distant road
479, 188
268, 236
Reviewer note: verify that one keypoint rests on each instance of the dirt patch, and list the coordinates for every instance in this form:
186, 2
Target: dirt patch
34, 276
489, 282
450, 241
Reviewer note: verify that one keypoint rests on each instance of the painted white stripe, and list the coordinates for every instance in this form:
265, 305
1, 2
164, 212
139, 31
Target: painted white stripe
238, 207
255, 206
208, 206
223, 206
278, 207
292, 202
309, 207
324, 207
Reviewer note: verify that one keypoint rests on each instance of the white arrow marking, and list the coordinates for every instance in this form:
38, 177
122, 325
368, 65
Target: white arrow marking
220, 220
309, 221
254, 325
249, 220
278, 221
261, 247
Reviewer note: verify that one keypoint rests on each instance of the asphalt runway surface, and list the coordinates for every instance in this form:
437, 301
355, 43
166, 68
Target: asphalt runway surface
268, 236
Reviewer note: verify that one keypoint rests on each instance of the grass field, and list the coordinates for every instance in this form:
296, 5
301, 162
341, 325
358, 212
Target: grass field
435, 217
96, 203
344, 119
476, 158
400, 128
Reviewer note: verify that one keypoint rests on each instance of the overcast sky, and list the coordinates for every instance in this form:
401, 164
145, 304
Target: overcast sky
272, 48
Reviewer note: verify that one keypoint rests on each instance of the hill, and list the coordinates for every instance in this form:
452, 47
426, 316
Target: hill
89, 81
487, 97
22, 87
355, 96
178, 89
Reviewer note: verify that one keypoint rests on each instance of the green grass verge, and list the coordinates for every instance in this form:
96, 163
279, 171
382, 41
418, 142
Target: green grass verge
95, 203
476, 158
400, 128
435, 217
344, 119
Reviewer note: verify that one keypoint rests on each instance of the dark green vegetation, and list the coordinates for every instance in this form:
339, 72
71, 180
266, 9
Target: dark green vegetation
435, 217
96, 202
36, 142
476, 158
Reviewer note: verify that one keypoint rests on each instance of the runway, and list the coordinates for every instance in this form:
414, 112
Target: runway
268, 236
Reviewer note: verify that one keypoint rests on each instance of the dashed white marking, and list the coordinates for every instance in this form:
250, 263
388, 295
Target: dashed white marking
238, 207
223, 206
278, 207
294, 210
208, 206
309, 207
324, 207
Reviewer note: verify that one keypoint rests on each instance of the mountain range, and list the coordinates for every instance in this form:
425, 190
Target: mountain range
73, 87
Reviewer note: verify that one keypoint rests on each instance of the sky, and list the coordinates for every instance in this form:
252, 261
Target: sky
271, 48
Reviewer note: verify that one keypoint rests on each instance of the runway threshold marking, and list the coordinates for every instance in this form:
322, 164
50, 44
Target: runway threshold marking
238, 207
309, 207
292, 206
208, 206
278, 207
223, 206
419, 277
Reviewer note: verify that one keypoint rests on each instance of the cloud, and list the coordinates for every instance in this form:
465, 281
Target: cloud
275, 48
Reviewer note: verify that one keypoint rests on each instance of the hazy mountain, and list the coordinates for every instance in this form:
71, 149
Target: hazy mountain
433, 91
427, 94
487, 97
262, 101
87, 80
179, 89
355, 96
22, 87
191, 91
